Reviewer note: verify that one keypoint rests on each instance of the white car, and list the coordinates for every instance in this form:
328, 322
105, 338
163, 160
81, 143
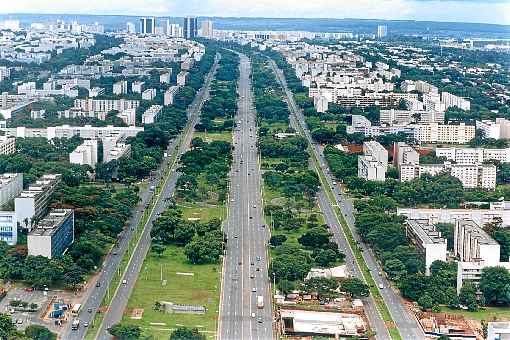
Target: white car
124, 282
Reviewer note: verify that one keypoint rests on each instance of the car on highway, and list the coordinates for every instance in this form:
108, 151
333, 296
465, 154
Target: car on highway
258, 258
381, 286
19, 322
252, 263
124, 282
254, 290
85, 324
253, 315
252, 276
259, 320
240, 263
98, 284
89, 310
258, 269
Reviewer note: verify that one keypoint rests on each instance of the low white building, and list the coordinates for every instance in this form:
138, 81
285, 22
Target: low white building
498, 129
149, 94
479, 216
85, 154
373, 164
182, 78
472, 271
169, 95
128, 116
120, 87
7, 145
498, 330
137, 86
474, 156
151, 114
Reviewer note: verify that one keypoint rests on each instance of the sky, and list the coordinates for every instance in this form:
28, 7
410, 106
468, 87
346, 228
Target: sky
481, 11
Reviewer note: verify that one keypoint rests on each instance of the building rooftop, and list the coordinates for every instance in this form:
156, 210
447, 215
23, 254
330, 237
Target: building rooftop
48, 225
426, 231
324, 322
8, 178
474, 229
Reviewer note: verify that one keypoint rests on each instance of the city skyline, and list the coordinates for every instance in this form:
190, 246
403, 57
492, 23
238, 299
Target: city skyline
475, 11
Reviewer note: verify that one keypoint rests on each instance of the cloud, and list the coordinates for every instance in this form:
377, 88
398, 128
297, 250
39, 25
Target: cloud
489, 11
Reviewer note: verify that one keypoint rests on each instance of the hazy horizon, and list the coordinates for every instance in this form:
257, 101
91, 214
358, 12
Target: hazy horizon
465, 11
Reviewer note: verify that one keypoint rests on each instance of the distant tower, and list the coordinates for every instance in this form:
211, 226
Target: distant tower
207, 29
382, 31
130, 27
190, 27
147, 25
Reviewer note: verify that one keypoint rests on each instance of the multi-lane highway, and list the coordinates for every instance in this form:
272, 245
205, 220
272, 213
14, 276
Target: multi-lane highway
404, 321
245, 274
121, 294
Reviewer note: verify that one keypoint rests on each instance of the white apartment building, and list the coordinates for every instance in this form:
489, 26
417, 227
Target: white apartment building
105, 105
120, 87
85, 154
151, 114
499, 129
96, 92
471, 176
32, 203
373, 164
182, 78
479, 216
474, 155
472, 271
403, 117
137, 87
428, 241
432, 102
320, 103
52, 235
451, 100
8, 227
404, 154
442, 133
115, 150
7, 145
472, 244
66, 131
128, 116
11, 186
498, 330
164, 77
169, 96
149, 94
424, 87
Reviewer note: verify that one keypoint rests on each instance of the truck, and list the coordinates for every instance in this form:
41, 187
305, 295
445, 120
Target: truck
260, 301
75, 325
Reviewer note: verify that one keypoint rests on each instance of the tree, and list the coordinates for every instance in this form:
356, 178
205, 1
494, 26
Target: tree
355, 287
467, 296
37, 332
7, 328
495, 285
125, 331
277, 240
184, 333
315, 237
158, 248
425, 302
395, 269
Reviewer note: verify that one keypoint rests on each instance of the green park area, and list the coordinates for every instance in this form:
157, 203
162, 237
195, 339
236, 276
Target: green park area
170, 277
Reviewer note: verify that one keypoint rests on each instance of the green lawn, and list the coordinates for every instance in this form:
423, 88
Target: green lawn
225, 136
487, 314
203, 288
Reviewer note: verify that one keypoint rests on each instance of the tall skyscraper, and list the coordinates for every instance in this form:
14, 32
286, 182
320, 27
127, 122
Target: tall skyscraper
382, 31
207, 29
173, 30
190, 27
130, 27
147, 25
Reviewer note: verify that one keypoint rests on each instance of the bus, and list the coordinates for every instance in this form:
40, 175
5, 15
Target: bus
260, 302
76, 309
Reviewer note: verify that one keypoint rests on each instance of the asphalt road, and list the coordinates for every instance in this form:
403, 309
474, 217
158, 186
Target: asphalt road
245, 274
95, 295
405, 322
